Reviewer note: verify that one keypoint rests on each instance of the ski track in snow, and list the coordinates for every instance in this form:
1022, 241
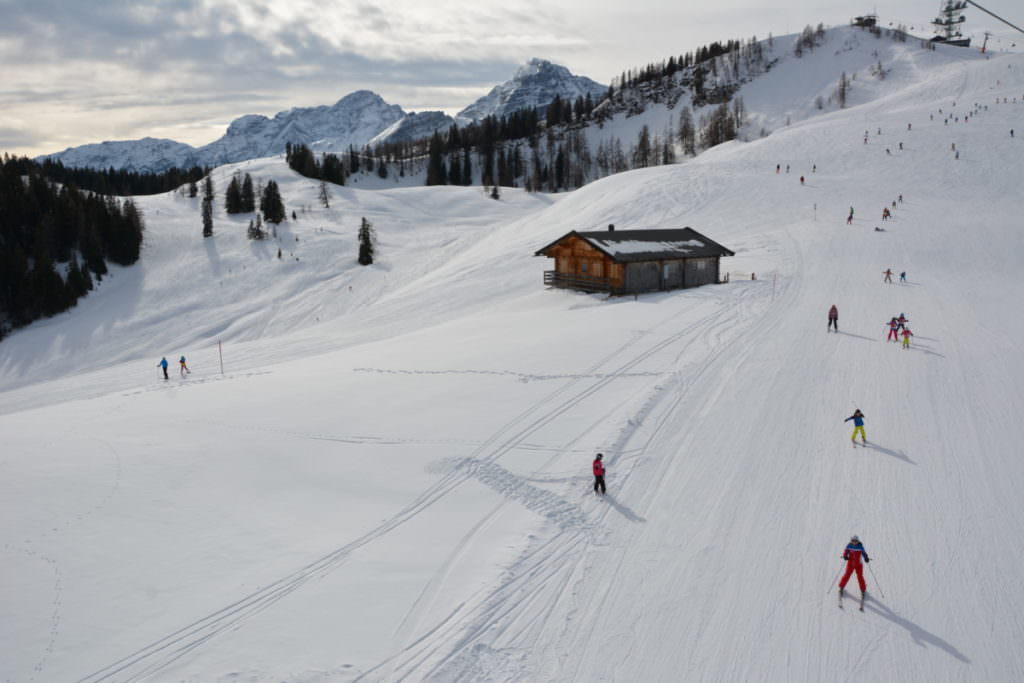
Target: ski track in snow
158, 655
455, 650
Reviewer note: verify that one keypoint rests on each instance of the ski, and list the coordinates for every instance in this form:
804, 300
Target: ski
862, 596
841, 597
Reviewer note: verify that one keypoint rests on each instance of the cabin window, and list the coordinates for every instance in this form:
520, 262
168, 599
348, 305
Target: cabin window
583, 267
701, 265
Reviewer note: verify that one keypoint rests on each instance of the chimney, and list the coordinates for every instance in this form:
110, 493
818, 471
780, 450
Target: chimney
611, 227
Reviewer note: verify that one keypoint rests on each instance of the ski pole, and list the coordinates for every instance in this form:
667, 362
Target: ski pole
880, 591
830, 586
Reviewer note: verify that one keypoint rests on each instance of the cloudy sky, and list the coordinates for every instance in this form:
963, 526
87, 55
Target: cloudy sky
80, 71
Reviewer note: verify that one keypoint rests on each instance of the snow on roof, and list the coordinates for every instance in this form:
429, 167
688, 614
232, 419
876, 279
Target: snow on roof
616, 247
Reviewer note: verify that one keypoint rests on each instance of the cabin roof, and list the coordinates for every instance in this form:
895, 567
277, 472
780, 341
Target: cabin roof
630, 246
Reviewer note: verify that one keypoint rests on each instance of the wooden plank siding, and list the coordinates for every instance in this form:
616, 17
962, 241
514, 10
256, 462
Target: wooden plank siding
575, 257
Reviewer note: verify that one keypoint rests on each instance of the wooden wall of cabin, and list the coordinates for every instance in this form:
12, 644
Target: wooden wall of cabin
700, 271
574, 256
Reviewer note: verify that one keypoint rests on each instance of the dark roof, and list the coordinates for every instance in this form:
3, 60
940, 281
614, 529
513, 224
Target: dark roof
629, 246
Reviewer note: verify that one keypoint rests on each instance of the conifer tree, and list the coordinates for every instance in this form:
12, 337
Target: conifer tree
207, 217
248, 196
233, 196
367, 239
436, 173
271, 204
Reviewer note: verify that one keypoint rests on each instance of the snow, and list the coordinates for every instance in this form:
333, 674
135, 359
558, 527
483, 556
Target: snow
391, 482
615, 248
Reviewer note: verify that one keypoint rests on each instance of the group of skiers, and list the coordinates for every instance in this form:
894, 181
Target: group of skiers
888, 274
898, 328
182, 366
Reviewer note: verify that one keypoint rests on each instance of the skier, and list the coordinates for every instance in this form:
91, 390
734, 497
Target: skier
833, 319
184, 366
849, 219
902, 322
801, 180
858, 426
163, 364
903, 276
778, 167
814, 168
908, 126
599, 473
901, 146
901, 199
907, 334
894, 330
885, 213
888, 275
852, 554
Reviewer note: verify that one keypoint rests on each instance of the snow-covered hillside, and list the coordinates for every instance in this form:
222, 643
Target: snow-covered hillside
390, 480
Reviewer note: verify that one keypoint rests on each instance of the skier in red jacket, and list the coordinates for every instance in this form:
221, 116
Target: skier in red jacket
599, 473
852, 554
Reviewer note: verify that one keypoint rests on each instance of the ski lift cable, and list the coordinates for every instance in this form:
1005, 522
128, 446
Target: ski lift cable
974, 4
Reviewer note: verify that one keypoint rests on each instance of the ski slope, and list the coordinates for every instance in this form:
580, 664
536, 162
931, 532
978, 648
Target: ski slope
390, 480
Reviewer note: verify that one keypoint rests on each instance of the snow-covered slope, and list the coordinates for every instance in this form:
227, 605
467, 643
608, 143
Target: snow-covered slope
353, 120
414, 126
534, 86
390, 479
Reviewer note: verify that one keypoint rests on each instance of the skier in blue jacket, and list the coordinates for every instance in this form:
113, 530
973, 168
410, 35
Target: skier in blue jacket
858, 426
163, 364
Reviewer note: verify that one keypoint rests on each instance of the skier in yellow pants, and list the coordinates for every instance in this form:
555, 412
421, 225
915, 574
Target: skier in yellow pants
858, 426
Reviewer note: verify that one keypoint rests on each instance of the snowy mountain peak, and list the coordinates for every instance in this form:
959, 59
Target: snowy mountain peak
534, 85
353, 120
535, 66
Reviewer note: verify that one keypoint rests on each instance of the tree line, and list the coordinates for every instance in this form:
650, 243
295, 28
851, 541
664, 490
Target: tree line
119, 182
55, 241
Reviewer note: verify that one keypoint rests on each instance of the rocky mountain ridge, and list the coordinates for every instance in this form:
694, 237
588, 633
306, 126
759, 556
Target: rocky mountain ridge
358, 119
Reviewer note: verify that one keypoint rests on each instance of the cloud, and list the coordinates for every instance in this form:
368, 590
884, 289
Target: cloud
11, 138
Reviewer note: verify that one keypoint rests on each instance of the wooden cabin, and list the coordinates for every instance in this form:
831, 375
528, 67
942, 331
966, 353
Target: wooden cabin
633, 261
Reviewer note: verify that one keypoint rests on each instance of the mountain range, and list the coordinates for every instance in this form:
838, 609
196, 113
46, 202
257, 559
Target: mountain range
358, 119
